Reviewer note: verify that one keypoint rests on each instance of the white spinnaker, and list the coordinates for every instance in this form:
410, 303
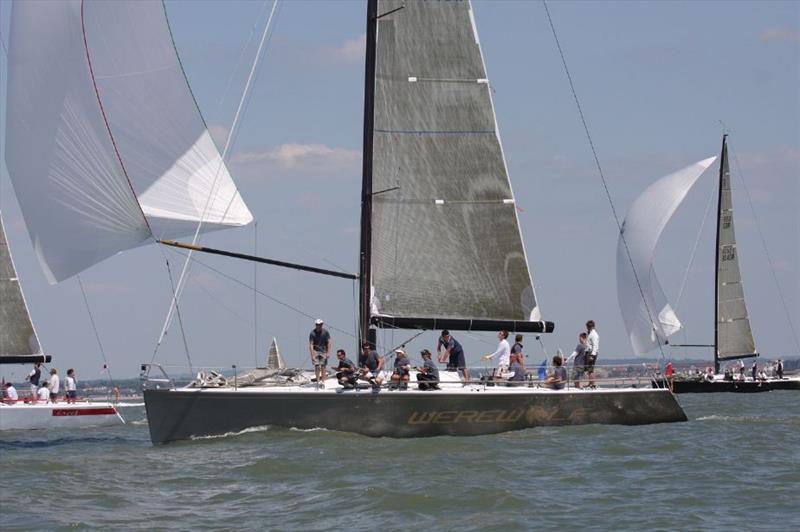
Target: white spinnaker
649, 326
100, 114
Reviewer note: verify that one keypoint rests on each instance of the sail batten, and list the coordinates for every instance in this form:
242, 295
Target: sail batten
446, 242
106, 147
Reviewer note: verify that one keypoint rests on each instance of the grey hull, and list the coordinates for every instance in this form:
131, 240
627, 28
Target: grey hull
185, 413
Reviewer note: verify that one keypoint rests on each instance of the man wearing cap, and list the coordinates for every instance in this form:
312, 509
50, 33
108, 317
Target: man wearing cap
402, 366
319, 347
447, 346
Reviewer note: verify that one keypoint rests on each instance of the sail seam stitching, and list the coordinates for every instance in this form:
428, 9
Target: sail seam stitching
105, 119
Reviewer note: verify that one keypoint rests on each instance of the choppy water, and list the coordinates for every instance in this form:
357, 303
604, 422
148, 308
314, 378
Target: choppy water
735, 464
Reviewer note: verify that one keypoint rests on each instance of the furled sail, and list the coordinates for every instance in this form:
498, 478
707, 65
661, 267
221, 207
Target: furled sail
105, 144
734, 336
18, 341
446, 242
647, 314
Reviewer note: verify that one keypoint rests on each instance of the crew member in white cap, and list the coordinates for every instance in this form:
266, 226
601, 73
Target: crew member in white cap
319, 348
402, 366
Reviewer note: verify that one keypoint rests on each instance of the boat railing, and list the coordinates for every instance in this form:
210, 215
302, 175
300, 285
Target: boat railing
605, 376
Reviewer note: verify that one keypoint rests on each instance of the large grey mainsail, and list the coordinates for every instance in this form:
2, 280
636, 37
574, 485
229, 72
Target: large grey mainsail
446, 242
18, 341
734, 337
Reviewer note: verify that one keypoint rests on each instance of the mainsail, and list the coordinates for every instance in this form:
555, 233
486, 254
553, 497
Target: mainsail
106, 147
734, 338
647, 314
446, 246
18, 341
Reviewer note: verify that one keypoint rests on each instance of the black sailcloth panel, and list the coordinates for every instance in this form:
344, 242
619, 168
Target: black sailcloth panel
446, 241
17, 337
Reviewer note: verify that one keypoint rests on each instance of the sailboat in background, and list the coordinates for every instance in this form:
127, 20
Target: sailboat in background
440, 241
650, 320
19, 344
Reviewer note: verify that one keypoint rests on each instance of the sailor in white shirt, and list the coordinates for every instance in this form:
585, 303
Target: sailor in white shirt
70, 387
55, 385
503, 354
11, 393
593, 340
44, 393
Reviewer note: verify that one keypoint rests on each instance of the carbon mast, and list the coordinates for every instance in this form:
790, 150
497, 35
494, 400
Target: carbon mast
723, 155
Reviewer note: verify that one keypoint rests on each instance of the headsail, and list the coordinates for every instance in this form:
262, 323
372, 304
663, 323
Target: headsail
274, 359
105, 144
734, 338
446, 245
18, 341
651, 320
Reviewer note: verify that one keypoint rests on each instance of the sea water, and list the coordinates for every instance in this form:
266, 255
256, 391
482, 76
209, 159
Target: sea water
735, 464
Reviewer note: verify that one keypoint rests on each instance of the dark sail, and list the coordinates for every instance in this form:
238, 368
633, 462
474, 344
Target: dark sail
445, 239
18, 341
734, 337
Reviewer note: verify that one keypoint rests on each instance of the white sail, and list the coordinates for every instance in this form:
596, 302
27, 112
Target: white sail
274, 359
105, 144
648, 316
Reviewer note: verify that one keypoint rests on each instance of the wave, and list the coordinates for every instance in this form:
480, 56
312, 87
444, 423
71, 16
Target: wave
127, 405
261, 428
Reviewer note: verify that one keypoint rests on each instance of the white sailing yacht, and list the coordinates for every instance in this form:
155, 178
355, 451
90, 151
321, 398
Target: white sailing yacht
19, 344
650, 320
131, 161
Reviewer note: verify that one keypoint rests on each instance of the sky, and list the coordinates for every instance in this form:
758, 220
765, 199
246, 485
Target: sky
654, 80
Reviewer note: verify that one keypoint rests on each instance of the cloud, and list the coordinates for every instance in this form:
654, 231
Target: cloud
350, 51
296, 158
780, 34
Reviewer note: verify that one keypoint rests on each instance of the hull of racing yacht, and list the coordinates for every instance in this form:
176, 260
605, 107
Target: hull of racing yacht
697, 386
187, 413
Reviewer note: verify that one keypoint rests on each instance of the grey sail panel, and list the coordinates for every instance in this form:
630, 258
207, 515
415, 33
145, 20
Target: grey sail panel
446, 241
734, 336
17, 337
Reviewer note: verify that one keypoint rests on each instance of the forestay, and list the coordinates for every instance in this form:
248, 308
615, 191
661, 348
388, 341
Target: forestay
734, 336
446, 241
17, 337
647, 314
103, 131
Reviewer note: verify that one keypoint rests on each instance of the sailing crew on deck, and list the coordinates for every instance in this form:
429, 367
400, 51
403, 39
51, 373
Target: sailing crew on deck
557, 380
55, 385
503, 354
33, 377
593, 340
319, 348
779, 368
517, 348
346, 370
371, 366
428, 373
402, 367
579, 359
11, 395
43, 393
516, 376
70, 386
754, 370
448, 348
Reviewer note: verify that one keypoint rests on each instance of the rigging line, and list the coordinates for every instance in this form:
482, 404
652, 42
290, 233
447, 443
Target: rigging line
94, 328
259, 292
696, 244
255, 294
602, 176
172, 287
241, 53
212, 194
766, 252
